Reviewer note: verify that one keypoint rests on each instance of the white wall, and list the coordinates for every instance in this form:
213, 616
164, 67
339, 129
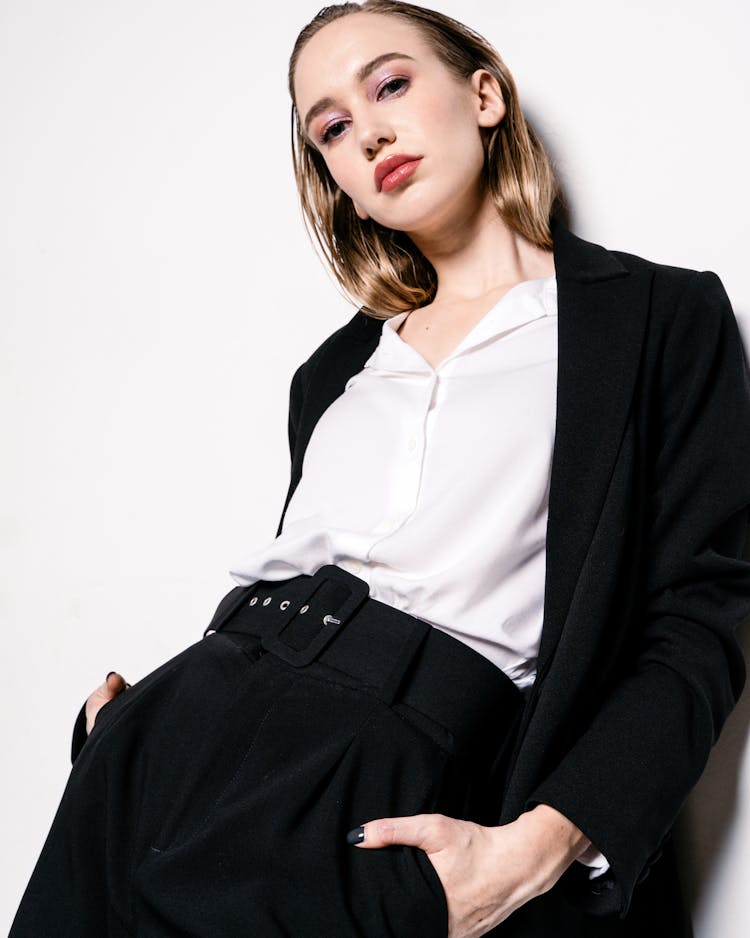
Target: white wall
157, 290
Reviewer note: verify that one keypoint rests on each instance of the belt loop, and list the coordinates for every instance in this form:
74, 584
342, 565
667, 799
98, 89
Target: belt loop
412, 642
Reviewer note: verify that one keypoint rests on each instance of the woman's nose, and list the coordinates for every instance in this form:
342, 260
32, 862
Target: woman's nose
373, 139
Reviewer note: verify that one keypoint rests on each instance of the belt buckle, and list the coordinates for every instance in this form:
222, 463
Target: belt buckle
334, 620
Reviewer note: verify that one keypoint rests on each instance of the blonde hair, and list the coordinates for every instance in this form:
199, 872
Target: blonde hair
381, 268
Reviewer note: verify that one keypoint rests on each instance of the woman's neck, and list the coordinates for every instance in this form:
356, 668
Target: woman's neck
482, 256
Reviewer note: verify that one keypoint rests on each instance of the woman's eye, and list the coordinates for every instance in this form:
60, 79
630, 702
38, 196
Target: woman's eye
393, 81
327, 134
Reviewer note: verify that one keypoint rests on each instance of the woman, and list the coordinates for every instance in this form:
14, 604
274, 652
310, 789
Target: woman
517, 429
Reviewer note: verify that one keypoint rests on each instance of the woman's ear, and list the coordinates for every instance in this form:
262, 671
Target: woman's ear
488, 97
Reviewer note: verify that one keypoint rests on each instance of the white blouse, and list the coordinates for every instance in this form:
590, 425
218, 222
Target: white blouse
432, 484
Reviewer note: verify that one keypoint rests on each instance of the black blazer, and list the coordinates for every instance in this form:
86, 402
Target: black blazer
645, 581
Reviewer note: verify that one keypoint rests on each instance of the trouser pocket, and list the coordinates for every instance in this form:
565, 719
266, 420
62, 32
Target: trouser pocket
264, 852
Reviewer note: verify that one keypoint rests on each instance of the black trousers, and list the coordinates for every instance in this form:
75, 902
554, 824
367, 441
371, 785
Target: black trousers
213, 797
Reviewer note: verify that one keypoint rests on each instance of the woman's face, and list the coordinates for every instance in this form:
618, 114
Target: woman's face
410, 104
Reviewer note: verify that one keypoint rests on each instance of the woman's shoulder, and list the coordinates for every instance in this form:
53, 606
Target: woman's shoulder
353, 341
690, 315
696, 297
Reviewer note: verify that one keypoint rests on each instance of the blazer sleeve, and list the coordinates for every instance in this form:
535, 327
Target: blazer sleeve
79, 734
296, 394
627, 776
296, 400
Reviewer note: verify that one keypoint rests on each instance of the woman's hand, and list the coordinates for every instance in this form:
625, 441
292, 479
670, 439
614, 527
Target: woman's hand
113, 685
487, 872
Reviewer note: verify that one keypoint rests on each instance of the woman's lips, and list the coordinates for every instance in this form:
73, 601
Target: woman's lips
398, 175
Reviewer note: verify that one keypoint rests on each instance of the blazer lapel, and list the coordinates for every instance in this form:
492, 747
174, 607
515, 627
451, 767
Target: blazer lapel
602, 313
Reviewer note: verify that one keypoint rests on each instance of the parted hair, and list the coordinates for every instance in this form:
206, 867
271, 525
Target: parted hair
382, 269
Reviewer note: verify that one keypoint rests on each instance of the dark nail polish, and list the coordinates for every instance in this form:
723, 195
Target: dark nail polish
107, 677
356, 835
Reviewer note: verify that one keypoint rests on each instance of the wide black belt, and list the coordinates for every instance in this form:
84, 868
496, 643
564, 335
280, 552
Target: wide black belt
330, 619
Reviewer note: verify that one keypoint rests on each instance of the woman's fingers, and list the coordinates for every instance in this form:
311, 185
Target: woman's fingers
113, 685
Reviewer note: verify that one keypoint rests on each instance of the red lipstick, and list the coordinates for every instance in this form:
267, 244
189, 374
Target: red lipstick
392, 171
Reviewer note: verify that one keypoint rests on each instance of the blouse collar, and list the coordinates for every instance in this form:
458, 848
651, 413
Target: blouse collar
523, 303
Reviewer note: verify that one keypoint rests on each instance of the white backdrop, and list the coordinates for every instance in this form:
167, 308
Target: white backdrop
157, 290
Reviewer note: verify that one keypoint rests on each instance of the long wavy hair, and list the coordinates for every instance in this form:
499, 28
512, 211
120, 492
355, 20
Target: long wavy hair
381, 268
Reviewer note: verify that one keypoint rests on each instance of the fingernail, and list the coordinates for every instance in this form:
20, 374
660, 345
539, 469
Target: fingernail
108, 676
356, 835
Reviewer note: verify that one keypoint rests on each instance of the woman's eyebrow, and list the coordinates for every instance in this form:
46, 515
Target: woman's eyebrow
362, 74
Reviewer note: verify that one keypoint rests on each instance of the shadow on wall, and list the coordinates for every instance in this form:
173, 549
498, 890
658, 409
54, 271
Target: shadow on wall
706, 821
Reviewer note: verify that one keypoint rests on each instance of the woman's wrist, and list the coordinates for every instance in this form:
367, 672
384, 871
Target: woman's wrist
553, 841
